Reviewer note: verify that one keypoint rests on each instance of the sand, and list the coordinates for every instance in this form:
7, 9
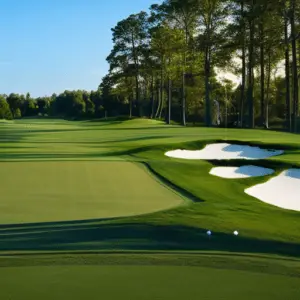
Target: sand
240, 172
282, 191
225, 151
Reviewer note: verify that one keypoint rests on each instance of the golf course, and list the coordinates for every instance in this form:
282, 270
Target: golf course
150, 150
97, 207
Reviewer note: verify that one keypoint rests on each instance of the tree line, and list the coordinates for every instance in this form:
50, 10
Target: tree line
167, 64
171, 64
69, 104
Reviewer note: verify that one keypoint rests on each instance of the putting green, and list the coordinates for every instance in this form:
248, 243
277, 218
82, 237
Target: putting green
61, 191
142, 283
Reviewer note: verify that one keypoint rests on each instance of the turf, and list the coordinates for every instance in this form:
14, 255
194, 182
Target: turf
65, 191
134, 282
49, 162
73, 162
147, 277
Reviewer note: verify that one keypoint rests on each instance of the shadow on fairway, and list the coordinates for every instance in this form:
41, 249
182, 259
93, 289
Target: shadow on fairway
75, 156
155, 128
11, 136
76, 142
86, 235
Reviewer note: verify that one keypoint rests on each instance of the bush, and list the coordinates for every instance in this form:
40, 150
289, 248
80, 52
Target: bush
5, 112
298, 125
277, 122
17, 114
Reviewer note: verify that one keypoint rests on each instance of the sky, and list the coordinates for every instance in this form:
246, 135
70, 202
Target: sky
48, 46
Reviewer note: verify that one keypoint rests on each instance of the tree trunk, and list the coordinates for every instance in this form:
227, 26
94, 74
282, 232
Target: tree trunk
183, 100
294, 65
136, 65
161, 93
268, 89
152, 97
169, 100
226, 108
250, 71
207, 88
130, 107
183, 81
262, 75
287, 77
243, 71
158, 99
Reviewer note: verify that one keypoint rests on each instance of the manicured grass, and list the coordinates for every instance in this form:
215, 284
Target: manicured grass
58, 175
89, 278
73, 161
64, 191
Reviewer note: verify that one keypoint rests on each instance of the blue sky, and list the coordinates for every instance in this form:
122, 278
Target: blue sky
49, 46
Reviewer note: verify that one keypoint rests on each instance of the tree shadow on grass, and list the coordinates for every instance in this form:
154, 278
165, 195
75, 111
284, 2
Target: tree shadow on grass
133, 236
10, 137
155, 128
76, 142
75, 156
264, 163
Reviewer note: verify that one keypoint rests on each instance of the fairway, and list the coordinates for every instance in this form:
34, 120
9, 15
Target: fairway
142, 282
67, 191
96, 188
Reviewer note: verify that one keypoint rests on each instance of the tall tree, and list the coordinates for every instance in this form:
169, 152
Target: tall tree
284, 12
243, 84
182, 14
130, 40
294, 64
166, 49
14, 101
212, 21
251, 19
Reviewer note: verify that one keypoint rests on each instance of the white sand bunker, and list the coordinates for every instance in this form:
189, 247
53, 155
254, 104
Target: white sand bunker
240, 172
282, 191
225, 151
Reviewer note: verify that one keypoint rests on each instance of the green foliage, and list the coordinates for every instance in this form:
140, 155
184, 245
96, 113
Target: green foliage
17, 113
14, 101
31, 109
5, 112
172, 59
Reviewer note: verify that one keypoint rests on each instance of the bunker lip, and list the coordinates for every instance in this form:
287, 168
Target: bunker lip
282, 191
223, 151
240, 172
